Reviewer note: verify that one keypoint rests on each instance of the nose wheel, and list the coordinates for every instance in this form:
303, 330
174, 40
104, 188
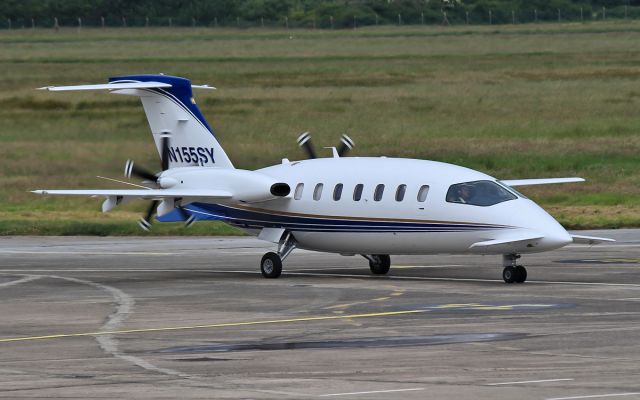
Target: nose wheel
513, 273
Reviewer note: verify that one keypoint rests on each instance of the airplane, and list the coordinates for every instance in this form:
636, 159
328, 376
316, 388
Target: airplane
371, 206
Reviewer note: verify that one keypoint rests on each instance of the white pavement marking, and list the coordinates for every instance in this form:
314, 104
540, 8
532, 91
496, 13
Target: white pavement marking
524, 382
124, 307
595, 396
26, 279
293, 272
371, 392
89, 253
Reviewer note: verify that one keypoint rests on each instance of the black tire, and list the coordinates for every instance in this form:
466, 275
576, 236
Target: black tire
382, 264
521, 274
509, 274
271, 265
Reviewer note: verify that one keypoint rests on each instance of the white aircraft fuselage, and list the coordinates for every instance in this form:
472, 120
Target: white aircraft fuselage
386, 226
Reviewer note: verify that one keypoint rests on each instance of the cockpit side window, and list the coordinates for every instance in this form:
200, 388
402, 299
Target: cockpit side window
478, 193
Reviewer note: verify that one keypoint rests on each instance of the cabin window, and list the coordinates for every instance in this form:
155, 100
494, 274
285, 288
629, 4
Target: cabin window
298, 193
357, 192
422, 193
377, 194
479, 193
337, 192
402, 189
317, 192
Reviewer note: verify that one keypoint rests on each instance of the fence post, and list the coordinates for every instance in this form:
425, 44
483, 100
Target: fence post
33, 23
79, 24
215, 21
193, 22
625, 11
102, 22
490, 18
56, 26
262, 21
286, 22
355, 23
376, 18
238, 22
581, 15
513, 17
170, 22
399, 19
314, 22
422, 18
604, 13
146, 22
9, 22
467, 16
331, 21
558, 15
124, 21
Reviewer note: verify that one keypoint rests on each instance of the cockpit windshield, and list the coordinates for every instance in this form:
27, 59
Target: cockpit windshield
478, 193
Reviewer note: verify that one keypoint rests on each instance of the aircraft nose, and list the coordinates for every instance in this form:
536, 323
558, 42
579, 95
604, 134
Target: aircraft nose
536, 219
556, 238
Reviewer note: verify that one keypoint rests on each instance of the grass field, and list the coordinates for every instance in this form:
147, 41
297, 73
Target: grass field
520, 101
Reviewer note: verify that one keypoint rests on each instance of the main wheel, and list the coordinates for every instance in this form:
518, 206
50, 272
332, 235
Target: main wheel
521, 274
271, 265
381, 265
509, 274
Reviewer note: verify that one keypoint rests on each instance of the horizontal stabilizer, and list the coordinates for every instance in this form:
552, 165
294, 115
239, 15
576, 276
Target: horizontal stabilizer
108, 86
149, 194
589, 239
548, 181
117, 86
506, 243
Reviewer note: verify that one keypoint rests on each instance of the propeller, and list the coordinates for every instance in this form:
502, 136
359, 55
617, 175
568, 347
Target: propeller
346, 144
131, 169
304, 141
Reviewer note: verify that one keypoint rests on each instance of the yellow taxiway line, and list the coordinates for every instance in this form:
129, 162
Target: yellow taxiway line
211, 326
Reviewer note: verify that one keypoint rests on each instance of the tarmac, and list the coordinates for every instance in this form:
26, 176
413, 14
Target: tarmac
192, 318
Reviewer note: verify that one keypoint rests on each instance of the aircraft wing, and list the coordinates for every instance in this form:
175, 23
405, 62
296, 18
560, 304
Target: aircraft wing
507, 243
149, 194
589, 239
547, 181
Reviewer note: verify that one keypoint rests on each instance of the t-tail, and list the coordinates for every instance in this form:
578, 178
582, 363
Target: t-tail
172, 113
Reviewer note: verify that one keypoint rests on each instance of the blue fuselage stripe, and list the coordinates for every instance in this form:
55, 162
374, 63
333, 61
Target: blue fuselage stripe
258, 220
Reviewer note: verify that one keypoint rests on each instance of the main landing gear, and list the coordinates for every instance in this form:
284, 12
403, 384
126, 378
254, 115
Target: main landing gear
379, 264
513, 273
271, 264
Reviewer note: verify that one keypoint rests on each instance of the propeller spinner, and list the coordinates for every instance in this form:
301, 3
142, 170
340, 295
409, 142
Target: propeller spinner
131, 169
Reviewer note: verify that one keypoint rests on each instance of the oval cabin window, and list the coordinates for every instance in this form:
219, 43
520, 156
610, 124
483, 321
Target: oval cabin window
422, 193
298, 193
317, 192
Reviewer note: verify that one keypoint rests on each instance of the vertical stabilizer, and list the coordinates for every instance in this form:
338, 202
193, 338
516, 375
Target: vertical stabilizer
172, 111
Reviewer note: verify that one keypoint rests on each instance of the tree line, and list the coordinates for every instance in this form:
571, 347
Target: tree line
305, 13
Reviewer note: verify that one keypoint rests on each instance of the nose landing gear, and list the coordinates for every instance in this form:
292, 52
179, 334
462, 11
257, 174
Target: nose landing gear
513, 273
379, 264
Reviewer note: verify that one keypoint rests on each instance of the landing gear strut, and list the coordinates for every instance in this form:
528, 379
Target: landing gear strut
271, 264
513, 273
379, 264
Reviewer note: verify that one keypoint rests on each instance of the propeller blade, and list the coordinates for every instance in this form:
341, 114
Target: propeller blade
189, 218
165, 141
304, 141
145, 222
131, 169
346, 144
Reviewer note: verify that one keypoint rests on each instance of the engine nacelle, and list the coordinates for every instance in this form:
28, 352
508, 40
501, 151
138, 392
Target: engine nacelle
245, 186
